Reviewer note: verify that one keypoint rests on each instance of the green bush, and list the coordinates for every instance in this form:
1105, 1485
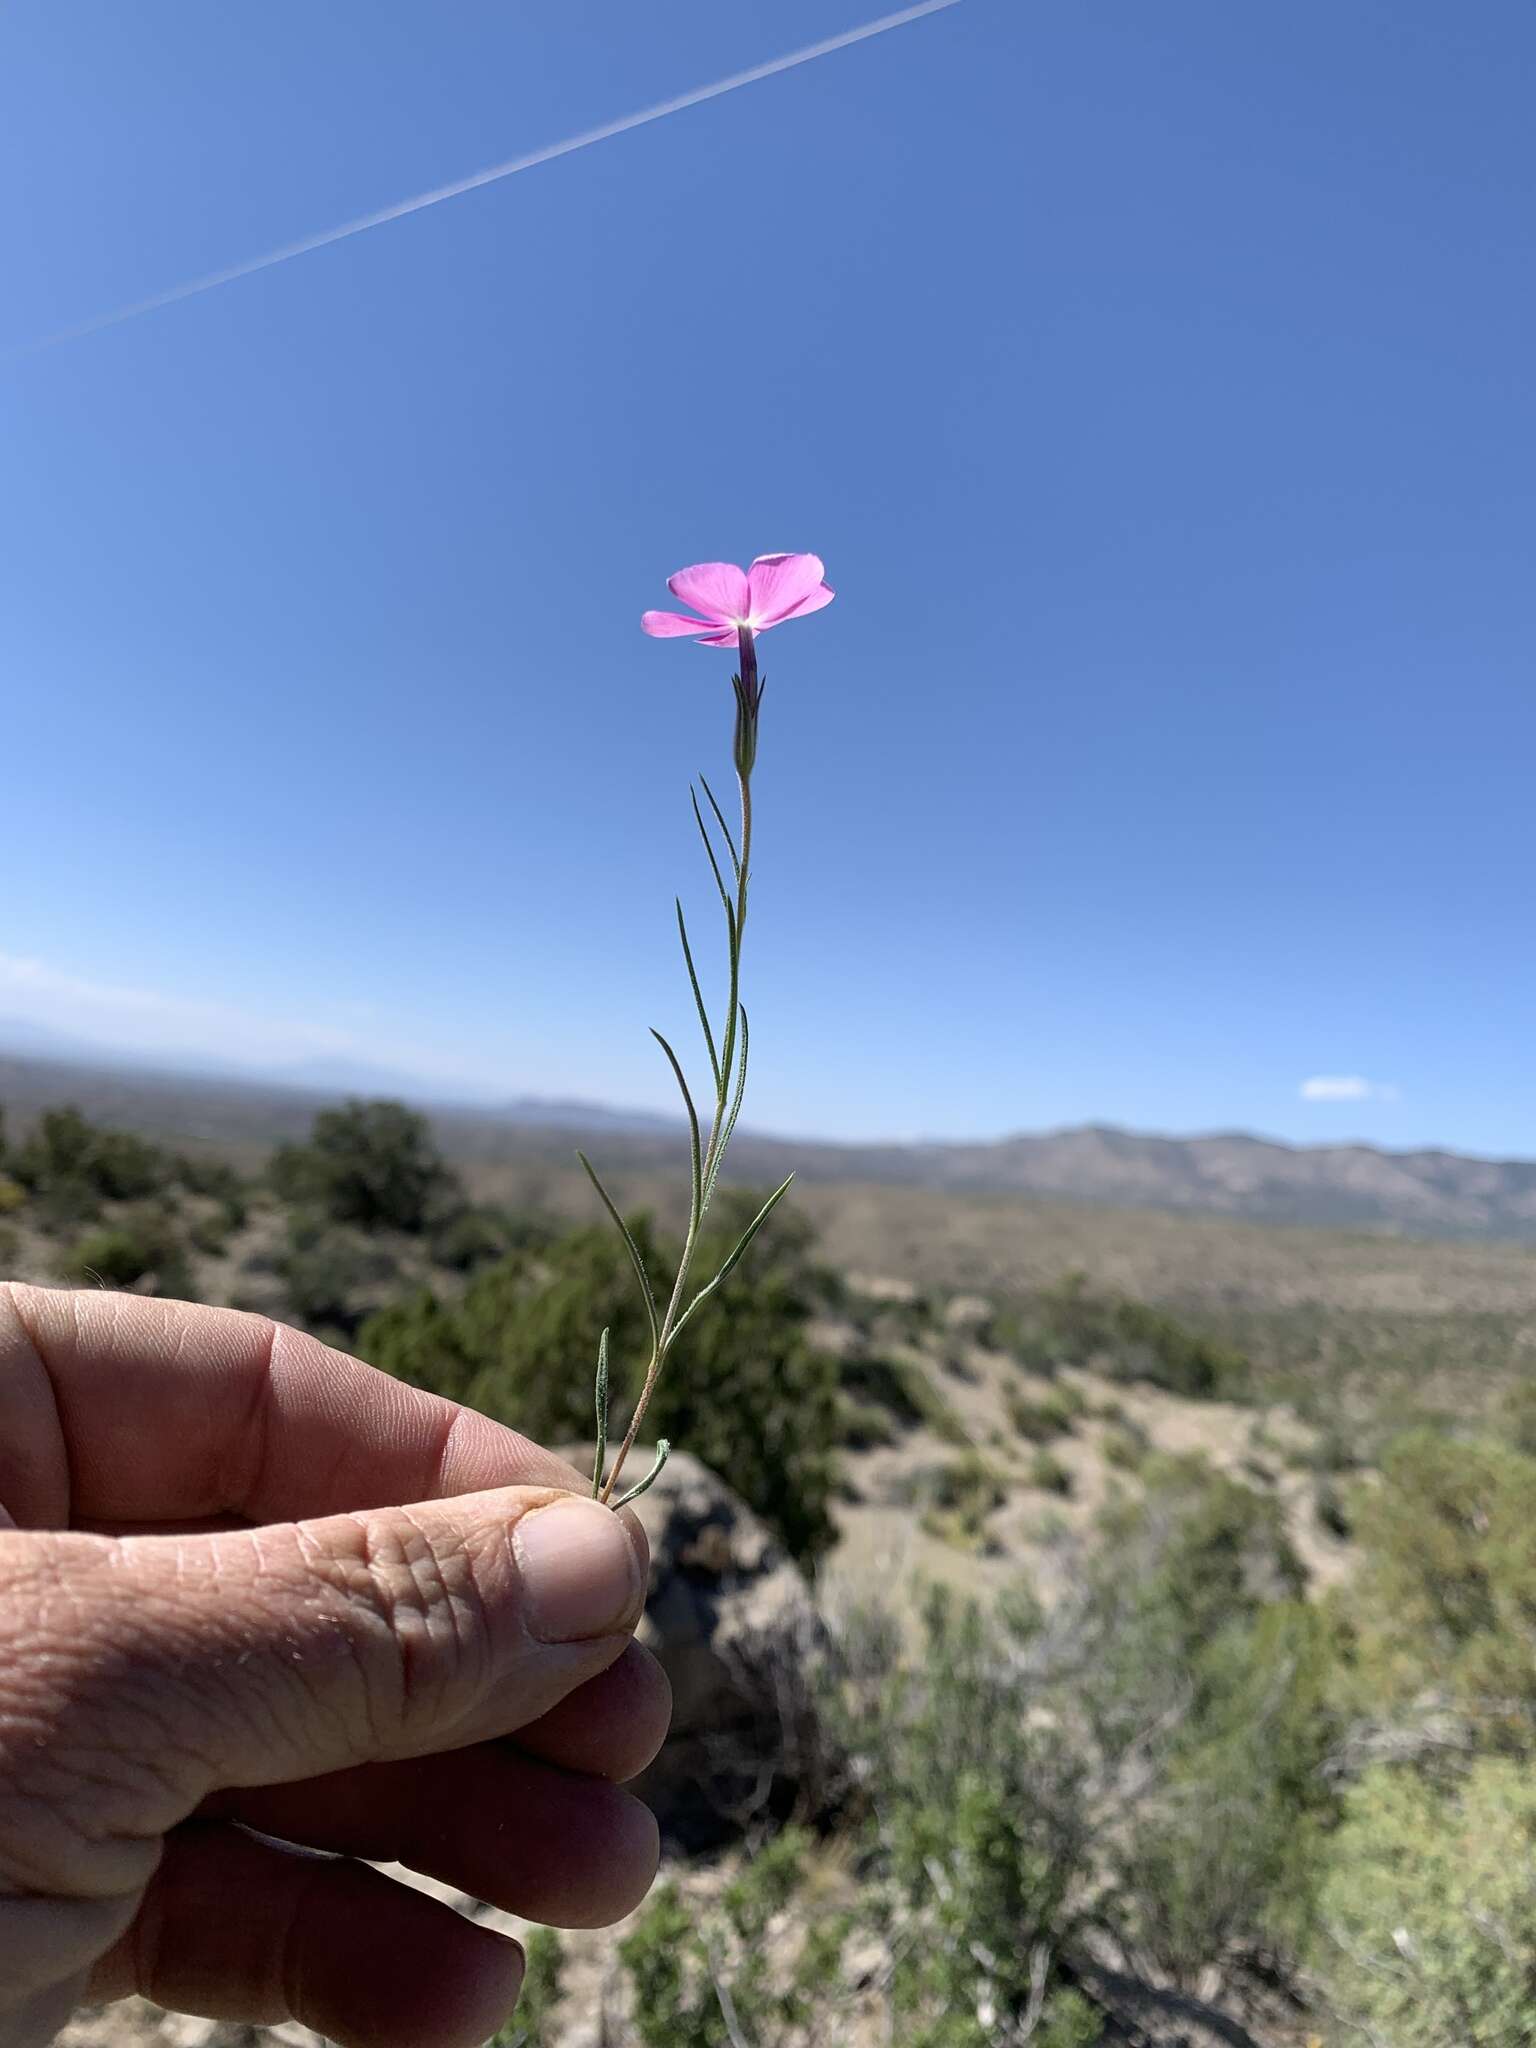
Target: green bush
1056, 1414
864, 1425
209, 1233
373, 1164
1335, 1452
475, 1237
744, 1390
419, 1340
12, 1195
700, 1981
959, 1497
1231, 1851
142, 1246
1427, 1918
325, 1270
72, 1166
1142, 1763
1448, 1585
1074, 1324
1126, 1446
1330, 1504
1156, 1347
1047, 1474
905, 1390
976, 1827
217, 1181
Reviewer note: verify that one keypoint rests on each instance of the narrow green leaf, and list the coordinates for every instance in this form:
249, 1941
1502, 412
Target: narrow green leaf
634, 1250
696, 1151
698, 996
709, 848
723, 1138
731, 1263
720, 816
663, 1452
602, 1415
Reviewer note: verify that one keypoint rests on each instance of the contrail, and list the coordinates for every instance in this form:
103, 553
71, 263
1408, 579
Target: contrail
492, 176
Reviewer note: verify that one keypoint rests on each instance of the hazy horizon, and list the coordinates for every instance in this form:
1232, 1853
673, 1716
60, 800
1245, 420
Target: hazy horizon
328, 1077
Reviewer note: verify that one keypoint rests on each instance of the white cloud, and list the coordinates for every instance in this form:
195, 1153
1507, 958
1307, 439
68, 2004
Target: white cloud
1346, 1088
146, 1020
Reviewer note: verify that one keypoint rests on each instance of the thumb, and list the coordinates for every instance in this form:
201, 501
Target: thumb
154, 1670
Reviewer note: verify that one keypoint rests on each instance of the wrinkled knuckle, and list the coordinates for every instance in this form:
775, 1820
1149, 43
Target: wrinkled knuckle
421, 1637
438, 1614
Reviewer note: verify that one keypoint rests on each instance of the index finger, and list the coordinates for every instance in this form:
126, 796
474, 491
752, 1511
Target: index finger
120, 1408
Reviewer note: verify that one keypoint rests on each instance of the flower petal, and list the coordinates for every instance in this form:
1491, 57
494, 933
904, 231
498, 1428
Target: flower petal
673, 625
730, 638
779, 584
717, 589
818, 599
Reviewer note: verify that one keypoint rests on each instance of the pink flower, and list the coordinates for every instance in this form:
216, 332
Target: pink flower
736, 602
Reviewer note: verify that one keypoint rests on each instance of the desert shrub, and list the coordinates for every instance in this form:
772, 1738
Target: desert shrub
324, 1270
1126, 1445
141, 1246
1335, 1451
1200, 1687
700, 1981
373, 1164
1428, 1914
216, 1181
1073, 1323
1231, 1849
1057, 1413
905, 1390
1330, 1504
477, 1236
419, 1341
1195, 1553
1154, 1346
977, 1823
745, 1391
958, 1497
1515, 1422
1142, 1764
1047, 1474
1448, 1585
1220, 1547
968, 1854
910, 1320
72, 1166
864, 1425
209, 1232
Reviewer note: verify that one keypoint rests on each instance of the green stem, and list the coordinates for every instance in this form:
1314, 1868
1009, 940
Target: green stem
718, 1133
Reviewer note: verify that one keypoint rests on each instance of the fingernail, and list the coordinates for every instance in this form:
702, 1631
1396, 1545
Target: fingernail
579, 1569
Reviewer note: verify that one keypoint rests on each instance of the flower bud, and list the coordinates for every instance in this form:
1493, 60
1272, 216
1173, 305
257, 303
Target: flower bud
749, 694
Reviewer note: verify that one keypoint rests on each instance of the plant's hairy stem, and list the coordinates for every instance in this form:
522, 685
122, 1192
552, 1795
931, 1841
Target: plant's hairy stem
705, 1162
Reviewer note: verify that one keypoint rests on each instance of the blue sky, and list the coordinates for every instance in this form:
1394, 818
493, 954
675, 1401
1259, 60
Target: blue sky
1155, 382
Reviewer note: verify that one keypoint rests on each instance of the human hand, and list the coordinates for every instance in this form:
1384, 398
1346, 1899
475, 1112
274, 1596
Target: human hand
259, 1601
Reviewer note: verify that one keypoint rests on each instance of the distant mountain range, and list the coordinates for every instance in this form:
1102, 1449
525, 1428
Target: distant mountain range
1421, 1193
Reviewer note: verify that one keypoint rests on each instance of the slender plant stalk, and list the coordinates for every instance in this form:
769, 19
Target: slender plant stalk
728, 1069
